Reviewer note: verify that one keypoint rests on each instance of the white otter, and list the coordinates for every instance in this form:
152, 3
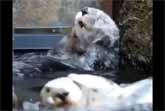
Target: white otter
93, 25
61, 92
93, 43
89, 91
73, 92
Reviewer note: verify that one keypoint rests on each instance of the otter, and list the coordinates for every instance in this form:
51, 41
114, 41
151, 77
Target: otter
93, 43
90, 91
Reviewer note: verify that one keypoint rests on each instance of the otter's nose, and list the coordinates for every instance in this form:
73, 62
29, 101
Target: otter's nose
84, 11
63, 95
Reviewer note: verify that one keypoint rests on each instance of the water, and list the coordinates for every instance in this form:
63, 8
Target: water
28, 89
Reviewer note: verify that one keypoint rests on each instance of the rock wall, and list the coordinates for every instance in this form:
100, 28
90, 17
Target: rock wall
135, 21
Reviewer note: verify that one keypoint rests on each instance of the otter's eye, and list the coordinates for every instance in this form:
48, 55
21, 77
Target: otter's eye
47, 90
81, 24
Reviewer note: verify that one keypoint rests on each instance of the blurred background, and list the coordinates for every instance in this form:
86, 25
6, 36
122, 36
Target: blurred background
46, 13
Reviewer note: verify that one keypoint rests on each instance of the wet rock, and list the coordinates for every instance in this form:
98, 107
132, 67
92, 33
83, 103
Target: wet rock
135, 20
21, 69
50, 64
33, 65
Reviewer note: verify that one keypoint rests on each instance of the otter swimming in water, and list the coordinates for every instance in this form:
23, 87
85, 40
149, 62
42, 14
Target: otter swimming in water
93, 43
85, 90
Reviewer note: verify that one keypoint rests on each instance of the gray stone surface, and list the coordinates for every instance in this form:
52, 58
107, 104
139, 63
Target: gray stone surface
135, 20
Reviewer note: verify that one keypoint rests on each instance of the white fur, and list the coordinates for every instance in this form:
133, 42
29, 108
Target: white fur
107, 90
91, 81
97, 19
58, 84
96, 91
140, 91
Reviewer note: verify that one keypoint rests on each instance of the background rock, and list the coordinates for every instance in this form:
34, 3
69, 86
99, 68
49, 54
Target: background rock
135, 21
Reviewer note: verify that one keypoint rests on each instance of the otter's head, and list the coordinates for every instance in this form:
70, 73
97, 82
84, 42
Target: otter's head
92, 25
76, 42
88, 17
81, 35
61, 92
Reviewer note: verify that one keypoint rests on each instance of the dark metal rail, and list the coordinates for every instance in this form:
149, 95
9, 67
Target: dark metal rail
33, 41
43, 30
38, 38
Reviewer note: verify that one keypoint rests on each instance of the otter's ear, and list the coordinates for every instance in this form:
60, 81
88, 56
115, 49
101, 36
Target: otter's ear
76, 81
84, 11
78, 84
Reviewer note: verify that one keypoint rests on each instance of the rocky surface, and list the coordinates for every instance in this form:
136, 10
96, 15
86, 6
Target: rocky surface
32, 65
135, 21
